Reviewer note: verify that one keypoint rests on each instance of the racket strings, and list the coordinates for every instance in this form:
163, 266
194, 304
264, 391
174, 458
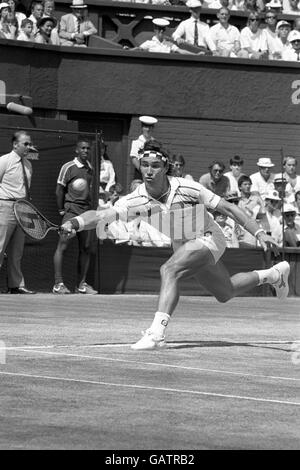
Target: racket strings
32, 223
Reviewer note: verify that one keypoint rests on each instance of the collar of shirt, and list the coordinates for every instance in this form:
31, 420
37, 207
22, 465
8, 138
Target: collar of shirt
174, 183
79, 164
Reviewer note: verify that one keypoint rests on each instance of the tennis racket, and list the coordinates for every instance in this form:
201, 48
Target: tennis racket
31, 221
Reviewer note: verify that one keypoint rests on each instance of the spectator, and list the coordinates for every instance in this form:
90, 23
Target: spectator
217, 4
49, 11
290, 7
236, 166
226, 37
275, 5
17, 14
194, 31
215, 179
297, 206
159, 43
107, 172
270, 217
45, 26
263, 180
137, 146
280, 186
253, 39
237, 5
13, 25
293, 180
293, 54
251, 6
73, 194
15, 179
271, 32
75, 27
251, 204
177, 165
26, 31
283, 29
227, 229
292, 229
37, 11
5, 29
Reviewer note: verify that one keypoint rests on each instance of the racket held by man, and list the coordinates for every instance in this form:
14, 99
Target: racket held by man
31, 221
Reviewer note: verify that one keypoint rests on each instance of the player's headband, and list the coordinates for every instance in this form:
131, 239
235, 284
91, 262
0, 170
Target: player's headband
152, 153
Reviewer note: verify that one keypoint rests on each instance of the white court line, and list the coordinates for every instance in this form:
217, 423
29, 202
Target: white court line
145, 387
157, 364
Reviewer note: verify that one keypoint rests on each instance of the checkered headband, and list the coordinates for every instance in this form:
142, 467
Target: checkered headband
153, 153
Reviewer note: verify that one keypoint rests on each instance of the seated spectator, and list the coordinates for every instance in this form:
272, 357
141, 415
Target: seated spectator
217, 4
280, 186
26, 31
292, 229
283, 29
45, 26
226, 37
177, 165
290, 7
236, 166
215, 179
293, 54
293, 180
194, 31
107, 172
271, 32
251, 6
18, 15
263, 180
275, 5
37, 11
115, 192
251, 204
49, 11
6, 32
297, 206
160, 42
270, 217
227, 229
76, 27
253, 39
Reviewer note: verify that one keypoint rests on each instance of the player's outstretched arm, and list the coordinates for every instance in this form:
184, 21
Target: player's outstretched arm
239, 216
89, 220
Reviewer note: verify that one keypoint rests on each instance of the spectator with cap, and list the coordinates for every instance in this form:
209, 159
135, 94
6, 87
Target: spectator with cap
137, 146
236, 166
215, 179
5, 30
177, 164
226, 37
160, 42
269, 217
263, 180
253, 39
292, 229
290, 175
293, 54
280, 185
228, 230
275, 5
45, 26
290, 7
76, 27
283, 29
193, 30
37, 11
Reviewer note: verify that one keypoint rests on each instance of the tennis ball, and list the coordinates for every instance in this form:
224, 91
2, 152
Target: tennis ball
79, 184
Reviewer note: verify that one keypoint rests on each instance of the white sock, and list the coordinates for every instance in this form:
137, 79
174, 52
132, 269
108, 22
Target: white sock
267, 276
160, 323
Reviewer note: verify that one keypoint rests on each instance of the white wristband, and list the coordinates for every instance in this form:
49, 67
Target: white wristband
80, 222
260, 230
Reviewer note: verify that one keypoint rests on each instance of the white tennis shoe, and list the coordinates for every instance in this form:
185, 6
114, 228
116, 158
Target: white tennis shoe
282, 285
149, 341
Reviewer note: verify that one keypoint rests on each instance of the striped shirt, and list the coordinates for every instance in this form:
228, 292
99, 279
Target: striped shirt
70, 172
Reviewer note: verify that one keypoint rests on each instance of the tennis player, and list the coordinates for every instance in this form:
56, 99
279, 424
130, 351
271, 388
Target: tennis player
197, 255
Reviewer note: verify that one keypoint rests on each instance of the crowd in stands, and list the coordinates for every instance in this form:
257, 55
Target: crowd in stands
262, 37
272, 199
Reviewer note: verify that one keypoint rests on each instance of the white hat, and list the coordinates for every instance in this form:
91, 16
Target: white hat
265, 161
193, 3
274, 4
161, 22
273, 194
149, 120
282, 23
78, 4
4, 5
289, 207
294, 35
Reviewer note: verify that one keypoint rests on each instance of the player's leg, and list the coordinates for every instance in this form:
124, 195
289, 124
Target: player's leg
187, 261
84, 244
59, 286
14, 250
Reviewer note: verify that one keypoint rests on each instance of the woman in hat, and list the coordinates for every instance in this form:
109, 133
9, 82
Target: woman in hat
8, 25
197, 251
45, 26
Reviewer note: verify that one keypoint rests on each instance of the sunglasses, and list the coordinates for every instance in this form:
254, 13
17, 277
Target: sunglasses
271, 17
253, 19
